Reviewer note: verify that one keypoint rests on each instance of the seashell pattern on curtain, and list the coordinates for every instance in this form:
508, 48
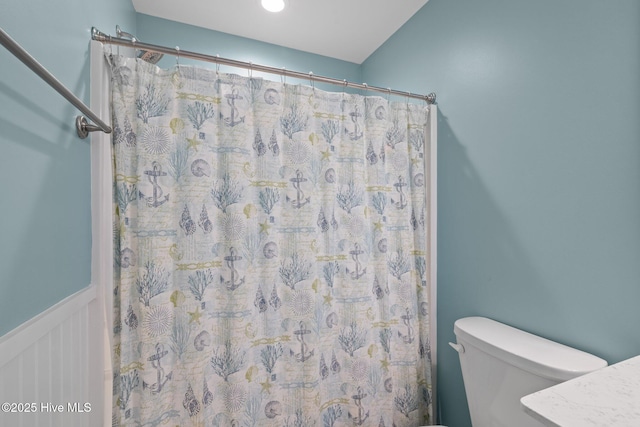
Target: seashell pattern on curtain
271, 261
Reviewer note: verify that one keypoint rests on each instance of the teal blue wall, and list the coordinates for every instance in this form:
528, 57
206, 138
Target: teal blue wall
539, 182
539, 167
45, 219
196, 39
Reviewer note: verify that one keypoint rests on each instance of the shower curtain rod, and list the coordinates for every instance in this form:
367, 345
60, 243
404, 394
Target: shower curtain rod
136, 44
82, 126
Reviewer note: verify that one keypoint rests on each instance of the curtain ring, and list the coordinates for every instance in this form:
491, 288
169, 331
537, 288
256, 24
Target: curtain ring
283, 76
217, 66
366, 89
133, 45
388, 95
177, 56
311, 81
251, 70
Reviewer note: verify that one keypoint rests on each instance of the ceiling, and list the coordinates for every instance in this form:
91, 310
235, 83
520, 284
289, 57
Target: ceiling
349, 30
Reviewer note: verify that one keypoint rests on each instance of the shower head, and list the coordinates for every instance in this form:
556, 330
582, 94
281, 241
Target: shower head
150, 57
145, 55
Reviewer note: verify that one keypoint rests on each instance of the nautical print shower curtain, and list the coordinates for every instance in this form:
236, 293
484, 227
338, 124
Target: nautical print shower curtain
271, 253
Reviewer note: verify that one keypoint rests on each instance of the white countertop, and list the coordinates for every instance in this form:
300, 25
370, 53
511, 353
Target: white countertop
609, 397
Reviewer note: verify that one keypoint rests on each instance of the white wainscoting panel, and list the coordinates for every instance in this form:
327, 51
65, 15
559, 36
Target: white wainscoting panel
50, 361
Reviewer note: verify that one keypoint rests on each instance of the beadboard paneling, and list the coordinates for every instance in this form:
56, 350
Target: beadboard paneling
47, 361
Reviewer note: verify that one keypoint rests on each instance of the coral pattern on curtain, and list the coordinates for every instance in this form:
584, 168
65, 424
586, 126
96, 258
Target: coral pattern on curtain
270, 253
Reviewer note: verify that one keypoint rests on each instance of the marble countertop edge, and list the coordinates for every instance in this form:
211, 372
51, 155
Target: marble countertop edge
607, 397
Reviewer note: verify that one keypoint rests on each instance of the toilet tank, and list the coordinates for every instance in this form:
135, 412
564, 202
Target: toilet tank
500, 364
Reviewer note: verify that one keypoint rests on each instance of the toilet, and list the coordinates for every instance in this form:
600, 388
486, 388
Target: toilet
501, 364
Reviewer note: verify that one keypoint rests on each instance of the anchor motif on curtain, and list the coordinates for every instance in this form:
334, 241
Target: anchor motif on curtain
299, 201
357, 131
162, 379
402, 203
233, 283
362, 416
359, 272
304, 354
406, 319
231, 100
155, 200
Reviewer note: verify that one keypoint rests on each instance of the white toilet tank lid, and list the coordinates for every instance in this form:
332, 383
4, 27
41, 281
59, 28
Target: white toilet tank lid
529, 352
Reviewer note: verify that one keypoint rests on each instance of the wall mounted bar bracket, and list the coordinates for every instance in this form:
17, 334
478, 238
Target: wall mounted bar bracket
82, 125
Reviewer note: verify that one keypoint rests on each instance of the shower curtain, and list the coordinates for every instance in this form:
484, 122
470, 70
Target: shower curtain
270, 252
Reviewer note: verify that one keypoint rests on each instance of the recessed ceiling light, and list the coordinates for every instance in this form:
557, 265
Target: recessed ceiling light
273, 5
